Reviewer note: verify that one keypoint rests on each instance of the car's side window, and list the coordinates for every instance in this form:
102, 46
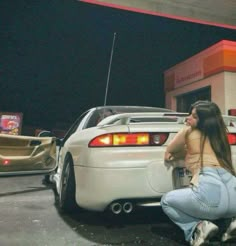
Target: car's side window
92, 121
74, 127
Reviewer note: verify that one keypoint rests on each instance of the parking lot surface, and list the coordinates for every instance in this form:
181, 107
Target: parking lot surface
29, 216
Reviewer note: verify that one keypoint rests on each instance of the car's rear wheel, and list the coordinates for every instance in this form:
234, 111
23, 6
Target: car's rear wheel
67, 188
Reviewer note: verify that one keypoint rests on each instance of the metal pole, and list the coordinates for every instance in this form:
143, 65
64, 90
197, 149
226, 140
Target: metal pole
109, 70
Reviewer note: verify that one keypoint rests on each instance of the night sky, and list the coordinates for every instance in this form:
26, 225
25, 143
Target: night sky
55, 54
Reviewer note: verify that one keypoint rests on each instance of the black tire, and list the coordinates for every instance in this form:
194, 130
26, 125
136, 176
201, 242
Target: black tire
67, 201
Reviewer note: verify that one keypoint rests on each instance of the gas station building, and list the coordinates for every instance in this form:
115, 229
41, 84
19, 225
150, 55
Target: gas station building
208, 75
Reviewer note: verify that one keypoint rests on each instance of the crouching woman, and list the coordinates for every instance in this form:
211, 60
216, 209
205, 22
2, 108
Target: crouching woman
212, 192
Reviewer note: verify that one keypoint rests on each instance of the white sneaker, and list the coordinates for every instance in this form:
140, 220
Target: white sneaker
203, 232
230, 232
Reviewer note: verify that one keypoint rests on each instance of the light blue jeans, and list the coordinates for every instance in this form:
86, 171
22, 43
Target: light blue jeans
214, 198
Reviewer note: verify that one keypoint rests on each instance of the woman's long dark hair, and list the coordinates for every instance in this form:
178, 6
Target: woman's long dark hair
212, 126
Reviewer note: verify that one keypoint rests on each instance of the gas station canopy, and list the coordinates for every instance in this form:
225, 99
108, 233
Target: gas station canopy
210, 12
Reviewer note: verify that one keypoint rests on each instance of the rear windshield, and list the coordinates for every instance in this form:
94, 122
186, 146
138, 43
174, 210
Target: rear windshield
102, 112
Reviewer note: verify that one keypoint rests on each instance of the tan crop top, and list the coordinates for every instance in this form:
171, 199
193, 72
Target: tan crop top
188, 140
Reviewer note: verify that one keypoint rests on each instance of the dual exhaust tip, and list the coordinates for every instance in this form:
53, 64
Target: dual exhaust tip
117, 208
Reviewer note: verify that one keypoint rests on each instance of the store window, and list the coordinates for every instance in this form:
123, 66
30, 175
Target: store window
184, 101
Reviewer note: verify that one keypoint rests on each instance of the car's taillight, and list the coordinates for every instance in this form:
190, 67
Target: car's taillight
129, 139
232, 138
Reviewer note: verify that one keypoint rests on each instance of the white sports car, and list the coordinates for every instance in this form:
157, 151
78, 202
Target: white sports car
112, 158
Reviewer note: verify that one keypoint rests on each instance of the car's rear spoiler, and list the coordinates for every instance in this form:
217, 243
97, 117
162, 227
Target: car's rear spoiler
129, 118
229, 120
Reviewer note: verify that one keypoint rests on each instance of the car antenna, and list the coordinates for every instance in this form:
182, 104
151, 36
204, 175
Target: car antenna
109, 70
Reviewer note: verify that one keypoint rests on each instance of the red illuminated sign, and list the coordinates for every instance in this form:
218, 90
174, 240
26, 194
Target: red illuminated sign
10, 123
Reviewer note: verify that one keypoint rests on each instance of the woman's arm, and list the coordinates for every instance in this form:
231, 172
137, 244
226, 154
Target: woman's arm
176, 149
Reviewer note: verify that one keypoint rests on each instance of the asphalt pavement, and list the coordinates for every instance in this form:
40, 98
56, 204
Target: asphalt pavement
29, 216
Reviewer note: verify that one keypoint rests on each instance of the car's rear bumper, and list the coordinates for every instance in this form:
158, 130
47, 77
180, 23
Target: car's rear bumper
97, 188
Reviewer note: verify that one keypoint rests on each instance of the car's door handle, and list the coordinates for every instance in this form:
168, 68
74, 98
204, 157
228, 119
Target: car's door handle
35, 142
